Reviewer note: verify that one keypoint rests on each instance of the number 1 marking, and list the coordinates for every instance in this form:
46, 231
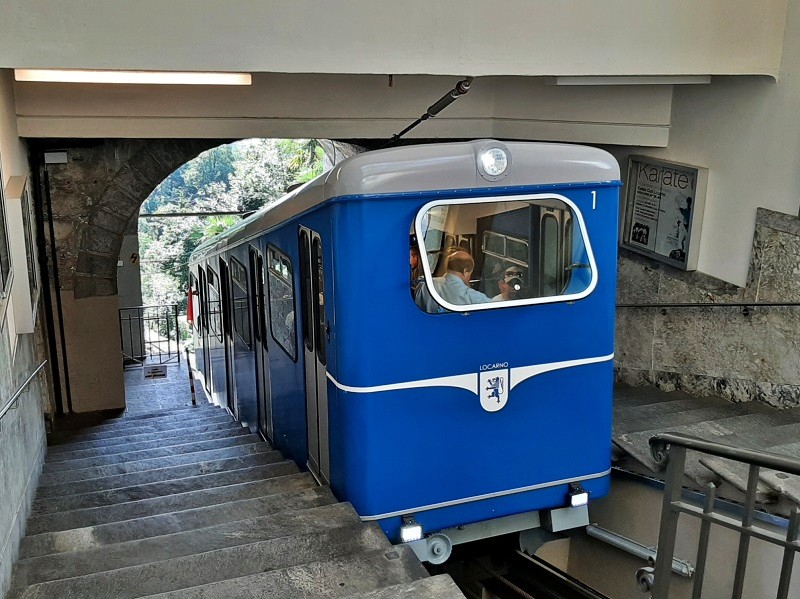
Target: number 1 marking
594, 200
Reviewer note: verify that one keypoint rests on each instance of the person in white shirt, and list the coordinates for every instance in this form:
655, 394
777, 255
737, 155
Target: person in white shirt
453, 287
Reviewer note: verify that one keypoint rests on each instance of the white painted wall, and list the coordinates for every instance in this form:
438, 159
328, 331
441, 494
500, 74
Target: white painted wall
746, 131
349, 106
13, 155
456, 37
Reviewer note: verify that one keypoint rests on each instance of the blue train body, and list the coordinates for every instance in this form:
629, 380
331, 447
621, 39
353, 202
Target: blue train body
460, 416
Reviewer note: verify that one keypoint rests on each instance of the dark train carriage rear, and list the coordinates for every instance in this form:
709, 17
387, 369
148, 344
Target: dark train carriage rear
470, 413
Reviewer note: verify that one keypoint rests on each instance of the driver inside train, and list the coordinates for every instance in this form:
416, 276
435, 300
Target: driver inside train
495, 254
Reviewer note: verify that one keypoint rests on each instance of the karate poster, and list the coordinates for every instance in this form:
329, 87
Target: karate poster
662, 199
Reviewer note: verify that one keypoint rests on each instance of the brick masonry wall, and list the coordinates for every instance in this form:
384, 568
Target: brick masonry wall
716, 350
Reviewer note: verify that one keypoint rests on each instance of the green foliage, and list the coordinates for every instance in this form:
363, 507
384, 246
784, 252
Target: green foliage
242, 176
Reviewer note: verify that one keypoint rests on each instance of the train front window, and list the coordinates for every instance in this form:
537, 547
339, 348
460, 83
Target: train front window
491, 253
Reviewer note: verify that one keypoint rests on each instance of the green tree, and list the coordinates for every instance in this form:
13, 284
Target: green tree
241, 176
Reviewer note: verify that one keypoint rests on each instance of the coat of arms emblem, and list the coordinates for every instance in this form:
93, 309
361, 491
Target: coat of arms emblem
494, 389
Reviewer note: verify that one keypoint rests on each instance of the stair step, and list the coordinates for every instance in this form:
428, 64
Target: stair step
121, 481
110, 442
182, 412
339, 577
54, 478
159, 489
435, 587
191, 437
170, 503
136, 553
146, 454
90, 419
89, 434
105, 535
213, 566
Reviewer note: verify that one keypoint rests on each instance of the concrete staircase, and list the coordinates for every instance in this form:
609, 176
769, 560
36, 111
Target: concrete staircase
188, 503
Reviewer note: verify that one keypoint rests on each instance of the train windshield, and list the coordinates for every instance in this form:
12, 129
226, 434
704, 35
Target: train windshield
474, 255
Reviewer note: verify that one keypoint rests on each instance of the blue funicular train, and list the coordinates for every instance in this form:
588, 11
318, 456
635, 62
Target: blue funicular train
430, 330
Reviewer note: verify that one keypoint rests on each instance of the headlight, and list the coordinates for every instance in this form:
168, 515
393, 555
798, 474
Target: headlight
578, 496
410, 530
494, 161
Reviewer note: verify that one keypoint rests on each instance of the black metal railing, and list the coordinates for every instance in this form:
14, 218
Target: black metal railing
150, 334
745, 307
671, 448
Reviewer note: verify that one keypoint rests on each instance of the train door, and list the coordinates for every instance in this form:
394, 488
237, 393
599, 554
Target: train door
258, 309
315, 343
227, 333
203, 327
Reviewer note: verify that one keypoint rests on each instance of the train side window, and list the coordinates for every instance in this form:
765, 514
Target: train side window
214, 305
202, 309
256, 287
241, 302
281, 300
510, 251
194, 289
305, 289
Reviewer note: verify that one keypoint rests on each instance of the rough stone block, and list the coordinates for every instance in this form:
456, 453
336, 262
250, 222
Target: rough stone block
360, 573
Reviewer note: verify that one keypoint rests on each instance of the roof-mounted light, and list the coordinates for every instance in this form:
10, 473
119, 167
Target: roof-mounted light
494, 161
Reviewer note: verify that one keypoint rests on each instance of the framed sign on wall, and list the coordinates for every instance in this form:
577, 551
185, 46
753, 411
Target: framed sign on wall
663, 212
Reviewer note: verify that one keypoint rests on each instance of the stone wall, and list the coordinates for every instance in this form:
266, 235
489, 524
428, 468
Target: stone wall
22, 436
94, 198
22, 439
717, 351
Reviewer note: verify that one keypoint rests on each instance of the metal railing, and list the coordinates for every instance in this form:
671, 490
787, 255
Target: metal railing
13, 402
671, 448
150, 334
746, 307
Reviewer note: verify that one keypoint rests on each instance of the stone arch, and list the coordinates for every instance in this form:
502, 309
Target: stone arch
133, 169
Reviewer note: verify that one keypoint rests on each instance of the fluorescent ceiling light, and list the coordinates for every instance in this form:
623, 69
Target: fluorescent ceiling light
135, 77
629, 80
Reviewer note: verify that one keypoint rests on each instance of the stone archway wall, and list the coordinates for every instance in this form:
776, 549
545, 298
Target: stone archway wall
97, 194
94, 199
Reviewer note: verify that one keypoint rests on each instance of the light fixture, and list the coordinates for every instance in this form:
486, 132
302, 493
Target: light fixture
132, 77
629, 80
578, 496
410, 530
494, 161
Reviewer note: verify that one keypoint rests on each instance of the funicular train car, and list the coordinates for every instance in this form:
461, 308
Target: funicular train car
430, 330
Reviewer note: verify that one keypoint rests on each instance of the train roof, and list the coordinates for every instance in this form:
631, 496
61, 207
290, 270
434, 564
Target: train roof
410, 169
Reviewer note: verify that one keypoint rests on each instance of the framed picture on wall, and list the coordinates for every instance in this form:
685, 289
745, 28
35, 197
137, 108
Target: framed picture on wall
5, 254
22, 247
663, 211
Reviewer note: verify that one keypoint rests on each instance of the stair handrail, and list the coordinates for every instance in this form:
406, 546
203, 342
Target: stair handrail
670, 449
660, 443
10, 403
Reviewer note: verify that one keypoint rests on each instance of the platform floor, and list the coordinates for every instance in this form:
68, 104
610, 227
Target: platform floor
151, 395
641, 412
